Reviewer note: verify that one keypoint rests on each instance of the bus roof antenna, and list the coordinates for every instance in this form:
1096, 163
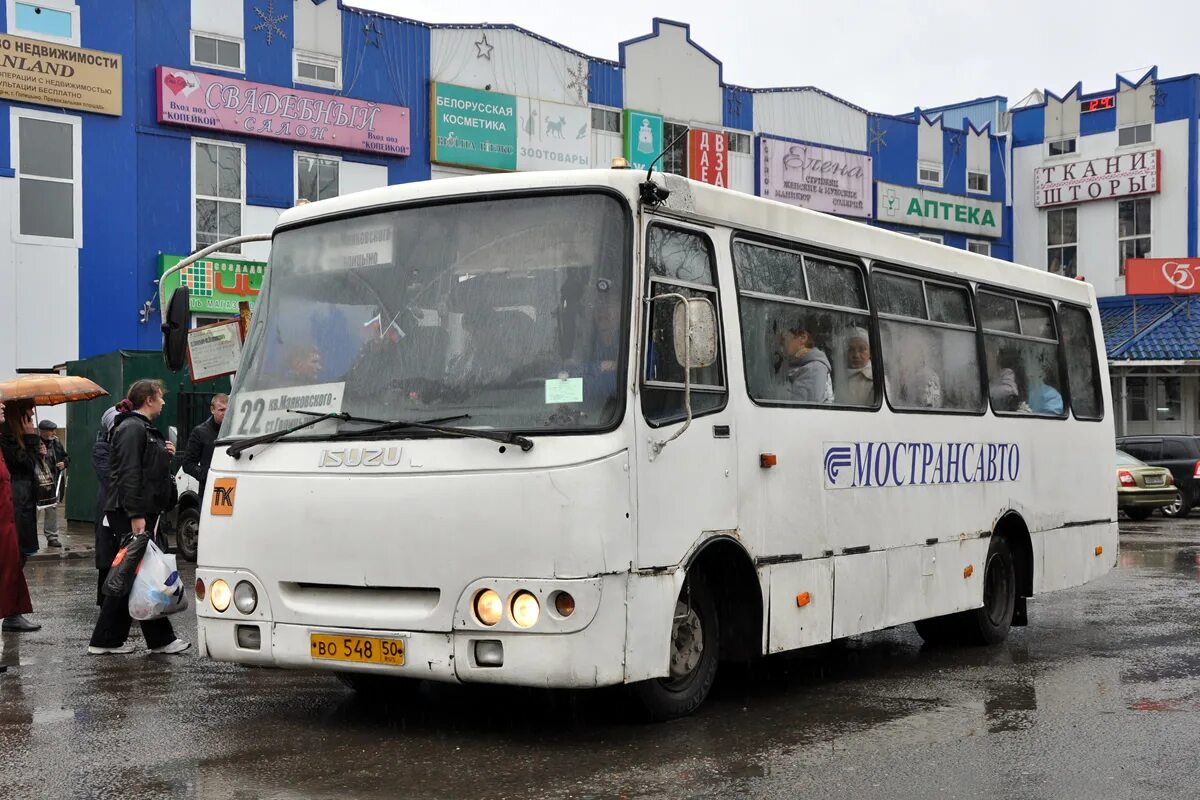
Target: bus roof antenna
652, 193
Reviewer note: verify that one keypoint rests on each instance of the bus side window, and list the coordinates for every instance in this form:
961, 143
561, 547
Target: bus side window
1083, 371
1021, 344
930, 354
795, 350
678, 262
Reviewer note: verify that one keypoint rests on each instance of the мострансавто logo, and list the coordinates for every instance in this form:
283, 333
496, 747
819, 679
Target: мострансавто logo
854, 465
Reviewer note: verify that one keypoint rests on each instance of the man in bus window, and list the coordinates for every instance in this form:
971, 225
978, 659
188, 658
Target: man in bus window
804, 367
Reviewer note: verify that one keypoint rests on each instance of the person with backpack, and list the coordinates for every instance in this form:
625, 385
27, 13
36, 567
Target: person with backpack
140, 489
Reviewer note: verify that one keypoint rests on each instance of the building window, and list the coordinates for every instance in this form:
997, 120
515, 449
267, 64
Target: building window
929, 174
219, 192
606, 119
979, 182
317, 177
1133, 230
1137, 406
46, 157
49, 20
1168, 399
317, 70
675, 157
936, 238
1062, 147
978, 246
739, 142
1135, 134
222, 52
1062, 238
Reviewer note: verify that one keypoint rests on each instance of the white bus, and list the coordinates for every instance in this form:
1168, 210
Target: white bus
462, 445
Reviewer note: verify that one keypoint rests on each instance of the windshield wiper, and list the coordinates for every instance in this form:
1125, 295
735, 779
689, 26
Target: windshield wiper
387, 426
236, 449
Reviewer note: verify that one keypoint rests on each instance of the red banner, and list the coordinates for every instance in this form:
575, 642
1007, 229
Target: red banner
1162, 276
708, 156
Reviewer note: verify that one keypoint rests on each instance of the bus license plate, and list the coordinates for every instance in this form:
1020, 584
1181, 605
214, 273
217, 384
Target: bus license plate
365, 649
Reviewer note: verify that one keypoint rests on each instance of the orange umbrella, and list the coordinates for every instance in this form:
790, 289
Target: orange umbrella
49, 389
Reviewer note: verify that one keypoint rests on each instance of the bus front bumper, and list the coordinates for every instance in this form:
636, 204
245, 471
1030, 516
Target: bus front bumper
585, 658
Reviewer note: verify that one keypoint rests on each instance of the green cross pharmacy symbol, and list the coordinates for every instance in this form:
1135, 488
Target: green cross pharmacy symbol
891, 202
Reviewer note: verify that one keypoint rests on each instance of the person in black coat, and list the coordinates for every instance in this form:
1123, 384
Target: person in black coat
139, 490
106, 543
197, 456
22, 447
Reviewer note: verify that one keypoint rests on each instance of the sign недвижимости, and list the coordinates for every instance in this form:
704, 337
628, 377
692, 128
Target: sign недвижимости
59, 75
819, 178
922, 208
214, 102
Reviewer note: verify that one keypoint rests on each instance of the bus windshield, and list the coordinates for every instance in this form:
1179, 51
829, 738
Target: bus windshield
503, 313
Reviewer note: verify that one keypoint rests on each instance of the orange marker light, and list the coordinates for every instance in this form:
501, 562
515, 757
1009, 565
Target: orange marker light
969, 571
1099, 549
767, 460
803, 599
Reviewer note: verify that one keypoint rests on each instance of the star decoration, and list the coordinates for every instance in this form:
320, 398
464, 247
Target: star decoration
270, 23
1159, 97
734, 104
955, 143
483, 49
579, 81
878, 137
372, 34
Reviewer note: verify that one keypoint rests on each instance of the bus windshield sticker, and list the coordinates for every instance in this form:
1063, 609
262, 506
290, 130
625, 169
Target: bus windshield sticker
270, 410
854, 465
564, 390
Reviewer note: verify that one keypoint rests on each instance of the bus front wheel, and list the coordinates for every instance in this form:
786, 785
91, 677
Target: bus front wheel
695, 652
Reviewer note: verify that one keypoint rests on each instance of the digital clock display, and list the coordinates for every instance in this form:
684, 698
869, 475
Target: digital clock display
1098, 104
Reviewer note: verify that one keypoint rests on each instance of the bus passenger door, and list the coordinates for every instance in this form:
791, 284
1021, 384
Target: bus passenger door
687, 487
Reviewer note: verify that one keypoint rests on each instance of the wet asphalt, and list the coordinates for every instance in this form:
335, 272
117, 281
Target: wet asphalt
1098, 697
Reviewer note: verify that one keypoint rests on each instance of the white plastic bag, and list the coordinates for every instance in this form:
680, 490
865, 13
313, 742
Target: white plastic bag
157, 590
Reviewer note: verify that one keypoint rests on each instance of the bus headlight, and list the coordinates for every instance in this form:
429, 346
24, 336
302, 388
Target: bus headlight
524, 609
219, 595
245, 598
488, 607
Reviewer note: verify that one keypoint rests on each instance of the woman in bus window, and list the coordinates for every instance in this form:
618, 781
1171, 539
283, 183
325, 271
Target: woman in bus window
804, 367
858, 387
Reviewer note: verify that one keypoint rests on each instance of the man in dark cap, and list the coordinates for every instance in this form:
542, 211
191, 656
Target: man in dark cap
56, 455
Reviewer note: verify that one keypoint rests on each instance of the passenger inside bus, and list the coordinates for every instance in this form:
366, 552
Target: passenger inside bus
804, 368
1014, 392
857, 388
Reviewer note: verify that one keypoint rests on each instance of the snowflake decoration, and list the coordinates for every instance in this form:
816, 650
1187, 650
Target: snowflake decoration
956, 143
579, 81
270, 23
878, 137
1159, 97
372, 33
734, 104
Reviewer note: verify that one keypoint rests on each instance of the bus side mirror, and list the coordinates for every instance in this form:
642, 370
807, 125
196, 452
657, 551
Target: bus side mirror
695, 328
174, 329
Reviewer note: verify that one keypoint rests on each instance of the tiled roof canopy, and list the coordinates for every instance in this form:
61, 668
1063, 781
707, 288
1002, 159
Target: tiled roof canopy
1151, 328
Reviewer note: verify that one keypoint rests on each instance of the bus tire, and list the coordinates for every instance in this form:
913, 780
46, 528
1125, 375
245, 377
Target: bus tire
990, 624
695, 653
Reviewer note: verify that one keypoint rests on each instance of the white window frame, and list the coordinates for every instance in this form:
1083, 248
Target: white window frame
620, 122
296, 171
241, 43
749, 141
1122, 239
935, 238
320, 60
241, 148
929, 165
76, 123
1074, 150
987, 179
1133, 145
68, 6
987, 251
1062, 212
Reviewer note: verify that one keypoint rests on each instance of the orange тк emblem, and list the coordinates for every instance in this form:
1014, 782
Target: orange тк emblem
222, 497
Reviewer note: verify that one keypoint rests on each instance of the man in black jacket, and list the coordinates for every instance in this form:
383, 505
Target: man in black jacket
197, 457
57, 456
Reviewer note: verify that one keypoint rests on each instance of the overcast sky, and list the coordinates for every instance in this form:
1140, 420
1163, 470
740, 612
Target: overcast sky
887, 56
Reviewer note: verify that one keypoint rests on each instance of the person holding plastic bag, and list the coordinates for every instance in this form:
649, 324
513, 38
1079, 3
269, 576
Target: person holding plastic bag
140, 489
157, 588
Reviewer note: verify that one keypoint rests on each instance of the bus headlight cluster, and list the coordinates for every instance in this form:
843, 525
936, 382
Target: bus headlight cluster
522, 606
244, 596
219, 595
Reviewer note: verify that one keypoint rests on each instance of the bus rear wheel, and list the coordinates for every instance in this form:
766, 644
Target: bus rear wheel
989, 624
695, 652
